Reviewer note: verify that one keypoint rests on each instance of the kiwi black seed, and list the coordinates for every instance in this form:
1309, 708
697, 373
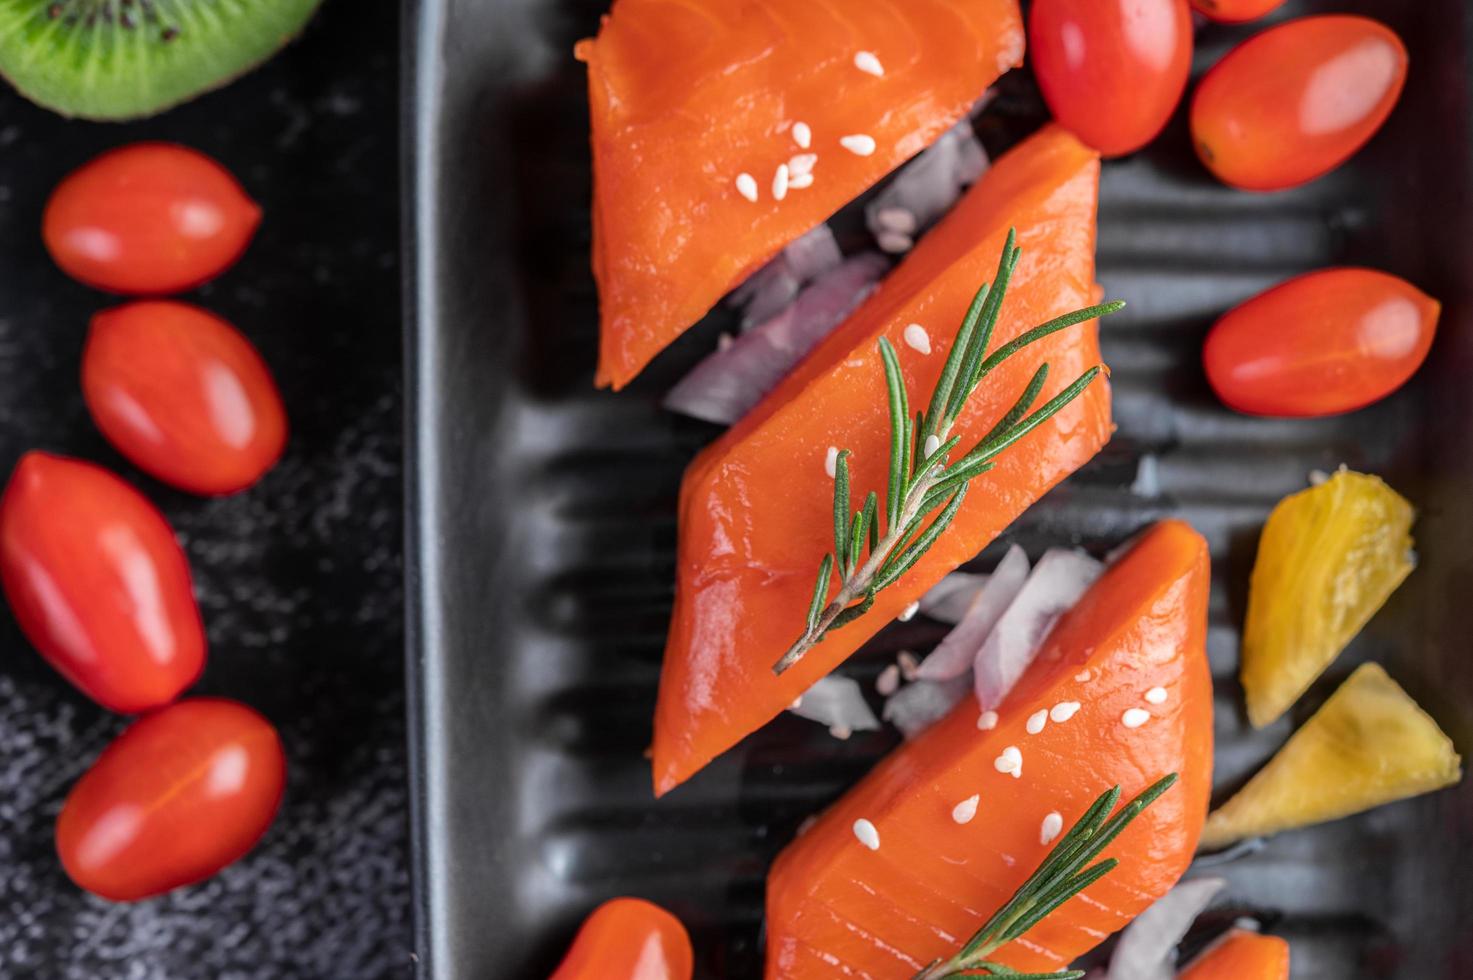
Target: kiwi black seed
124, 59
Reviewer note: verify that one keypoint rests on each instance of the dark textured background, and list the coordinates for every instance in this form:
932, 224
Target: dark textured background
298, 578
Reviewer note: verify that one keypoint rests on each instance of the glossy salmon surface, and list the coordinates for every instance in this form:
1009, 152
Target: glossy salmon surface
628, 939
688, 95
836, 907
756, 507
1242, 955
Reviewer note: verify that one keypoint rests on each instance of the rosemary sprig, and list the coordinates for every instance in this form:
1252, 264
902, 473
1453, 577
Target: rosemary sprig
1066, 872
923, 477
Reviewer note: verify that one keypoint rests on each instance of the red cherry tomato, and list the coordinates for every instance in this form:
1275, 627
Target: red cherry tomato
1236, 11
179, 795
182, 394
1112, 71
1296, 101
98, 583
628, 939
1323, 343
147, 219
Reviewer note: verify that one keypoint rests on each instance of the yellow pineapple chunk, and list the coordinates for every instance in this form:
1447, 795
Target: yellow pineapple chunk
1330, 556
1370, 744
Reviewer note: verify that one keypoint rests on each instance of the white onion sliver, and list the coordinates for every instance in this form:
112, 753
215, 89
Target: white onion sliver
949, 599
1056, 583
837, 702
955, 654
727, 383
1147, 947
774, 286
915, 707
929, 185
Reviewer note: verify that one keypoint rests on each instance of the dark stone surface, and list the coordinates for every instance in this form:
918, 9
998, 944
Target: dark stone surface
298, 578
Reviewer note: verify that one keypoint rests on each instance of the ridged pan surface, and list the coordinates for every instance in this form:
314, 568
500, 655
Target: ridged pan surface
542, 512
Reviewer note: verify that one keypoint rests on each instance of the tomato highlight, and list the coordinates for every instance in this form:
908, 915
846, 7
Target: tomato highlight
184, 395
1320, 344
1236, 11
1112, 71
148, 219
98, 583
182, 793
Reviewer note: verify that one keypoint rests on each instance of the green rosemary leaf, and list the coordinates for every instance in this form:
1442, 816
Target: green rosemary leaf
914, 441
948, 484
862, 528
820, 590
912, 554
1051, 900
853, 612
899, 413
1020, 407
949, 372
841, 510
970, 373
934, 460
993, 448
1029, 337
872, 505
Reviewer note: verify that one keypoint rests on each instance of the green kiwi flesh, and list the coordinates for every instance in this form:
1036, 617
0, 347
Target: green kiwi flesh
124, 59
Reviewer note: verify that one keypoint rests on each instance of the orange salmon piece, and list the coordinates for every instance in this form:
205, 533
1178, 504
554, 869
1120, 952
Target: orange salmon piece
686, 95
756, 506
836, 907
1242, 955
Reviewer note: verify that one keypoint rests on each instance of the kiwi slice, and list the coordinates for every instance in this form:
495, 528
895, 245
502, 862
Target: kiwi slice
123, 59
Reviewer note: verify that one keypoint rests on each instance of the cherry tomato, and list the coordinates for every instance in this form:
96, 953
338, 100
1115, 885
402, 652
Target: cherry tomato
147, 219
181, 393
1323, 343
628, 939
1296, 101
1236, 11
98, 583
179, 795
1112, 71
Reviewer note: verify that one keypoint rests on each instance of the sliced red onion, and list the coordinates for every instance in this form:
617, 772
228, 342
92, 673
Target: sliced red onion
838, 703
954, 656
774, 286
725, 386
1056, 583
916, 707
949, 599
1147, 947
926, 188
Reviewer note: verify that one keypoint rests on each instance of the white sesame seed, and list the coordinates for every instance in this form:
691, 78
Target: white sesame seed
860, 144
902, 220
866, 62
746, 186
800, 182
909, 612
1011, 761
724, 341
1063, 711
1037, 720
964, 811
908, 664
894, 242
889, 681
867, 834
802, 163
987, 721
917, 338
1053, 825
841, 732
1156, 695
802, 135
1083, 675
831, 462
933, 443
797, 703
1135, 717
780, 182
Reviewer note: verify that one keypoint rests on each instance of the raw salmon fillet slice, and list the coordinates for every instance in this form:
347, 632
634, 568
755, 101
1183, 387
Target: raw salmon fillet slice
686, 95
756, 506
837, 908
1242, 955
